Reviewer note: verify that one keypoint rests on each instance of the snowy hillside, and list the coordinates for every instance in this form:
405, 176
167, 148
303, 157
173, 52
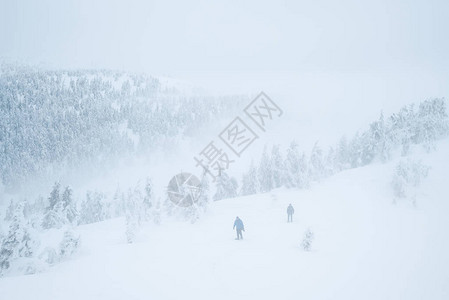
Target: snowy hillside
364, 247
66, 125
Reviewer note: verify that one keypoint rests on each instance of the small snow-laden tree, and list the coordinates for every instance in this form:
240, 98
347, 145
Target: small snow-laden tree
306, 243
38, 207
377, 142
10, 210
296, 167
381, 134
407, 178
168, 207
317, 169
157, 212
69, 244
250, 181
194, 212
55, 196
151, 206
34, 212
292, 165
403, 128
304, 179
277, 167
119, 202
70, 211
226, 187
343, 155
133, 213
368, 148
147, 204
204, 195
92, 208
330, 163
54, 217
265, 172
355, 151
432, 122
19, 242
49, 256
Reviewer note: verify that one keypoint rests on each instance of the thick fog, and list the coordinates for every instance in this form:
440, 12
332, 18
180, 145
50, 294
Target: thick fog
200, 38
132, 133
329, 55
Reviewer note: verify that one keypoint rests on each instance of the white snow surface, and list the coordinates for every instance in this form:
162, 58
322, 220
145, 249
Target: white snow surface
365, 247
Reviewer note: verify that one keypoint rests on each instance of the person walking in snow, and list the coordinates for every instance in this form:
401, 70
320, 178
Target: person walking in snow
239, 227
290, 212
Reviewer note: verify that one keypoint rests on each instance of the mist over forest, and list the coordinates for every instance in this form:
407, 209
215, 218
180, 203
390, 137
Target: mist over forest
251, 149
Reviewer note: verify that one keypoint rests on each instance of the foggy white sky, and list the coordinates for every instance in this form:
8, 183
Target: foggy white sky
184, 37
331, 65
328, 56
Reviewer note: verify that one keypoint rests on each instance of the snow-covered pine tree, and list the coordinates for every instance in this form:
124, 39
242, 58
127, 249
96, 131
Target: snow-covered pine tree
250, 181
407, 177
55, 196
10, 210
380, 135
204, 197
69, 244
265, 172
19, 242
304, 179
403, 130
433, 122
92, 209
355, 151
277, 167
317, 169
134, 202
330, 162
54, 216
119, 202
147, 204
306, 243
226, 187
343, 155
292, 165
69, 206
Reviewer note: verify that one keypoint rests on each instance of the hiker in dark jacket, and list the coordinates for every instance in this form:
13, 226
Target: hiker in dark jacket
238, 225
290, 212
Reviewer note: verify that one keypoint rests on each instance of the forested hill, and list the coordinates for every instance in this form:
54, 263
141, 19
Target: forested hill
59, 119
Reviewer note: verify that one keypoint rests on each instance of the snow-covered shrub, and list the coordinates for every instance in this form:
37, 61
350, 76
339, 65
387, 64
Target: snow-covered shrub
407, 177
49, 256
92, 209
61, 210
306, 243
69, 244
226, 187
156, 213
133, 213
10, 211
28, 265
19, 242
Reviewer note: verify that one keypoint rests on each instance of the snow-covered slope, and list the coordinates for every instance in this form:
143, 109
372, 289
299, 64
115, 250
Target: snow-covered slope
365, 247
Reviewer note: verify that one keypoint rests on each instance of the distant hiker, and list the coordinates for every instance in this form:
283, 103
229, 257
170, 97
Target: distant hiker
290, 212
238, 225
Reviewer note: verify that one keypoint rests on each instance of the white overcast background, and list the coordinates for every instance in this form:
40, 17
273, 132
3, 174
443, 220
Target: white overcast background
326, 57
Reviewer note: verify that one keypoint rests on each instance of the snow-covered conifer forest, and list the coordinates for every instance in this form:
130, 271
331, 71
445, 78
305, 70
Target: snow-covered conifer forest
121, 175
